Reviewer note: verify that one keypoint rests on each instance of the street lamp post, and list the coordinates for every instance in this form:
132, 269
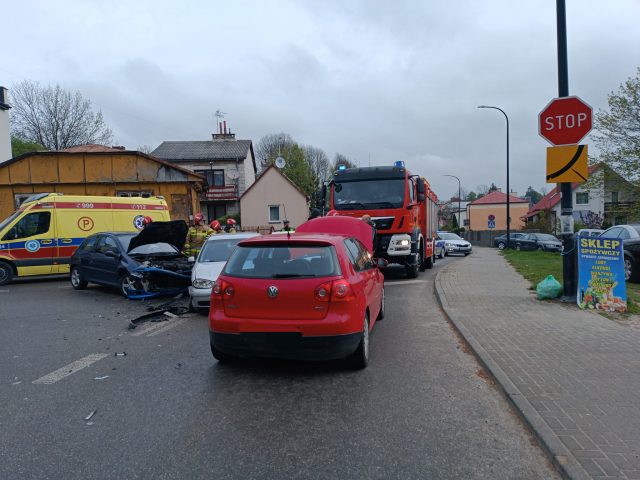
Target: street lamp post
508, 189
459, 193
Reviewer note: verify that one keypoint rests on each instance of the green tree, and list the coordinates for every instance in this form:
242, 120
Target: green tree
298, 170
533, 195
618, 138
471, 196
493, 188
20, 147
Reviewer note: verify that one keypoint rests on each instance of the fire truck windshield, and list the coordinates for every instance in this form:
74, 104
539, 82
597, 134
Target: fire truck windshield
369, 194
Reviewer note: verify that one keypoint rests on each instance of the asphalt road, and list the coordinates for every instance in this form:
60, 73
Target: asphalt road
167, 410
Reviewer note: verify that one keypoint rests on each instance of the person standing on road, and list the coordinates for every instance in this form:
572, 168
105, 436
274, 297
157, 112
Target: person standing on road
216, 227
196, 236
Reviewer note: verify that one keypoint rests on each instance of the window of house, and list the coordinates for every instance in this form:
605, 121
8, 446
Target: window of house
614, 197
217, 178
29, 226
274, 213
215, 211
134, 193
582, 198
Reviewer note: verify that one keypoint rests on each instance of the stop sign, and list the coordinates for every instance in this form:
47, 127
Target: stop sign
565, 121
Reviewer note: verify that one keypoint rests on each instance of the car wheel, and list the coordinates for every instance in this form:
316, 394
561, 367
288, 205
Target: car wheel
428, 263
422, 260
203, 311
466, 253
630, 270
127, 283
442, 253
220, 356
381, 314
518, 247
360, 358
412, 269
77, 281
540, 249
6, 273
501, 245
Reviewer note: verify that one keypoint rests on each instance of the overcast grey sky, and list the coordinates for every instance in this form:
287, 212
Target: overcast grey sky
377, 81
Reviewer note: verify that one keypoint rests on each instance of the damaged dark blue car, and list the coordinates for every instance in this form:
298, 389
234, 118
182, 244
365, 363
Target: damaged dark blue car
144, 265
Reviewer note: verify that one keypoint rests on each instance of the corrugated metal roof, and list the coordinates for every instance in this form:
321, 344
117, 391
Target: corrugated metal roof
202, 150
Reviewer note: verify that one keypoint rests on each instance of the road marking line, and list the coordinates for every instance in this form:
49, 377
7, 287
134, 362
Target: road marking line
173, 324
152, 326
403, 282
67, 370
5, 291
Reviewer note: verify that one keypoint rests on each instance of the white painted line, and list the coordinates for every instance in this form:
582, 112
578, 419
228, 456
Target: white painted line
171, 325
152, 326
67, 370
403, 282
5, 291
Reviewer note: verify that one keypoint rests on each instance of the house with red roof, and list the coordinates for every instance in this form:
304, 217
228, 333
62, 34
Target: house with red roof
495, 203
606, 194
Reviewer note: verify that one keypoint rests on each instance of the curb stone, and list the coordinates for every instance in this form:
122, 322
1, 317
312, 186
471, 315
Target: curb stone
560, 456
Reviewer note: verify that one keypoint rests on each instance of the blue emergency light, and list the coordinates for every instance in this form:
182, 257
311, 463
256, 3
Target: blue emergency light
342, 167
399, 164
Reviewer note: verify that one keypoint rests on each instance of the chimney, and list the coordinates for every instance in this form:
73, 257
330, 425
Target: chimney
223, 134
5, 137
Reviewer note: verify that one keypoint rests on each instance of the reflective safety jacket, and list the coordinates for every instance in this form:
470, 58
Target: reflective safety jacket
196, 237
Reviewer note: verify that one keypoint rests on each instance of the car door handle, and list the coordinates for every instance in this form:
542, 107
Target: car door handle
66, 240
46, 242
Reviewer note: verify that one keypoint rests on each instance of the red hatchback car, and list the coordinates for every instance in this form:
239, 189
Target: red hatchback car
312, 296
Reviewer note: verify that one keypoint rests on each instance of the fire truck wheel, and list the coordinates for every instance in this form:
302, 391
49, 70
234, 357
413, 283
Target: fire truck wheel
428, 263
422, 260
413, 268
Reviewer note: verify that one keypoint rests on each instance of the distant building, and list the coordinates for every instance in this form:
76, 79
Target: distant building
229, 166
5, 137
495, 203
272, 199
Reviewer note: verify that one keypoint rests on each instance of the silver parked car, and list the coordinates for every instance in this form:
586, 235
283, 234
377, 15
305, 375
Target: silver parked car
454, 244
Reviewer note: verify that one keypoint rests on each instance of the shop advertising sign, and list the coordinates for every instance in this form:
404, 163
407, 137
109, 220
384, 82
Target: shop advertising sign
601, 284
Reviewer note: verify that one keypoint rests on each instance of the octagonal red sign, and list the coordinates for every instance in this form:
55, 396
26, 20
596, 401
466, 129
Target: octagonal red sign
565, 121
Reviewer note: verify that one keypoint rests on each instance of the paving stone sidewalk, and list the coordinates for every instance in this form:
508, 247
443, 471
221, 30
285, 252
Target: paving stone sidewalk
573, 375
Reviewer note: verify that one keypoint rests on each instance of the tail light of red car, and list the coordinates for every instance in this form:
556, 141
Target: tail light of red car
337, 291
222, 290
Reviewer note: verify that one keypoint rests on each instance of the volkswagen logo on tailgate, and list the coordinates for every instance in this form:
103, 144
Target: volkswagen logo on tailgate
272, 291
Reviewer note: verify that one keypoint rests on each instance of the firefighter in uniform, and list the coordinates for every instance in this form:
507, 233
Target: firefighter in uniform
196, 236
231, 226
215, 226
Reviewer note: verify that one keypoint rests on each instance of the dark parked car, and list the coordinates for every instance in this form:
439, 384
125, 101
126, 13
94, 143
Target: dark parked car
501, 241
538, 241
632, 260
146, 264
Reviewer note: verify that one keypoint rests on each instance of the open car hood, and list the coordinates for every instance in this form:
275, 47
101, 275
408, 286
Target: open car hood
173, 233
341, 225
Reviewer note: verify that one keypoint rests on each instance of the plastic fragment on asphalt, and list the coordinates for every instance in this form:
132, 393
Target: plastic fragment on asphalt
101, 378
88, 417
171, 315
120, 354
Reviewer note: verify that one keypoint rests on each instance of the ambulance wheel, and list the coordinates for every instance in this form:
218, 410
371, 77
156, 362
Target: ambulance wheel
77, 281
6, 273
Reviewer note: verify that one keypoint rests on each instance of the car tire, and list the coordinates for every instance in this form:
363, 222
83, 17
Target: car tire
429, 262
381, 313
360, 358
77, 281
540, 249
466, 253
422, 261
413, 269
442, 253
501, 245
518, 247
203, 311
631, 273
221, 357
126, 282
6, 273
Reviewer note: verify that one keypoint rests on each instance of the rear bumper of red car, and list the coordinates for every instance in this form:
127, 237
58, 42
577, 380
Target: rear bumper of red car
288, 345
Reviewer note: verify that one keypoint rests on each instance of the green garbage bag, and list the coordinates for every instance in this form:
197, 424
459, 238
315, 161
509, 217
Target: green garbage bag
548, 288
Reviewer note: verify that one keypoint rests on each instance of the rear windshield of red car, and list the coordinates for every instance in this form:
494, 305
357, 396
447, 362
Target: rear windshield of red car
283, 261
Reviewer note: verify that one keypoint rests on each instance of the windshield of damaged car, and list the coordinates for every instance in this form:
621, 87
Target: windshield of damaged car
359, 195
218, 250
449, 236
283, 261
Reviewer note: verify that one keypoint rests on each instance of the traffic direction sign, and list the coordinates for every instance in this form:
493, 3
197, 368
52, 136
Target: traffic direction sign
565, 121
567, 163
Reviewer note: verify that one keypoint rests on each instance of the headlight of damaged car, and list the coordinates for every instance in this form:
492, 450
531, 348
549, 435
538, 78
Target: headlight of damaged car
202, 283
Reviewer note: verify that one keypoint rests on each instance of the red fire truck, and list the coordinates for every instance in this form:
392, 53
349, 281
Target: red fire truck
402, 205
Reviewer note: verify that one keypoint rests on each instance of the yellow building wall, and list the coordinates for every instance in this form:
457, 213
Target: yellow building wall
89, 174
478, 215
